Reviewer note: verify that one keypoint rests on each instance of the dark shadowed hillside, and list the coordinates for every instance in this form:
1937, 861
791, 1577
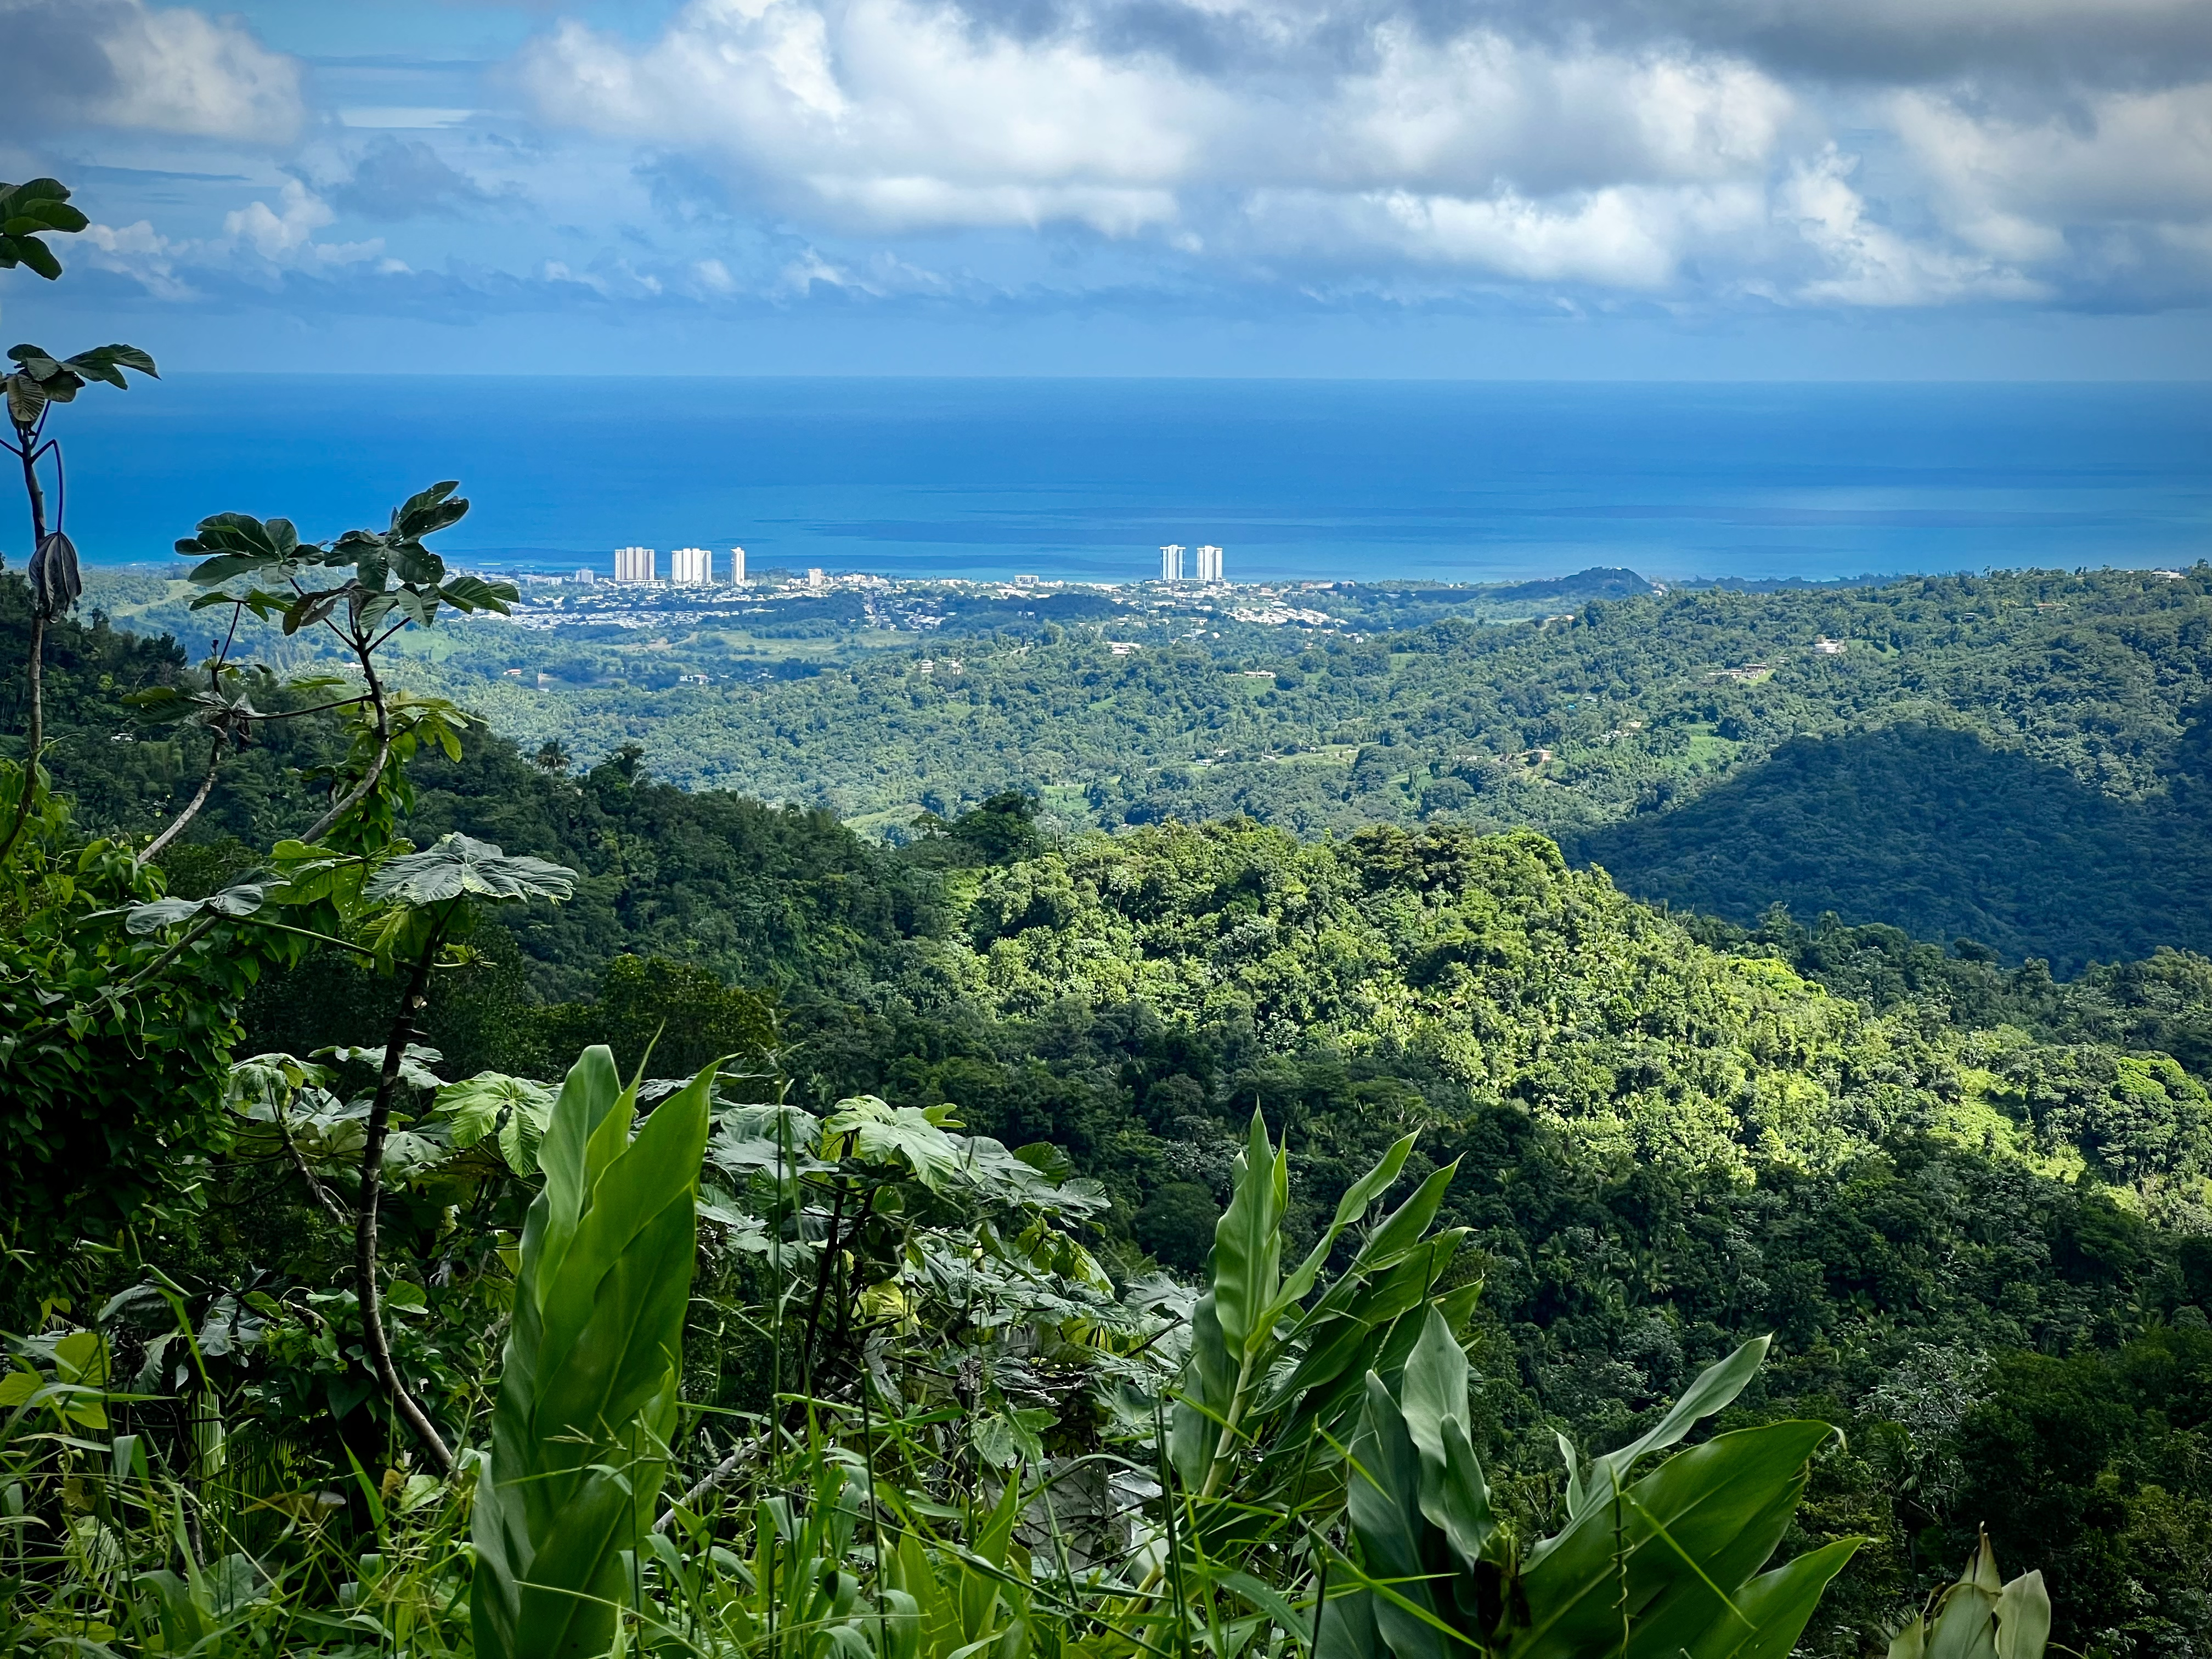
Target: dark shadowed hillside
1933, 831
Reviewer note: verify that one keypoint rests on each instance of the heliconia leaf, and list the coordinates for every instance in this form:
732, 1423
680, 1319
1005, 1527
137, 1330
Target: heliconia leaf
1965, 1628
1347, 1628
1461, 1503
1435, 1386
588, 1386
1248, 1242
1381, 1498
2023, 1618
1353, 1205
1778, 1606
1711, 1390
1709, 1517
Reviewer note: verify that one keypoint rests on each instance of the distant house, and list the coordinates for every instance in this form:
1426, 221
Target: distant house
1828, 647
1122, 647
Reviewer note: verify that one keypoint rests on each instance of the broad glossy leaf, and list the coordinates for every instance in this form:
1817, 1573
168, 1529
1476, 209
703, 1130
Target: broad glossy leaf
107, 362
429, 511
475, 593
459, 866
588, 1389
1723, 1506
1779, 1605
25, 400
1349, 1208
38, 362
2023, 1618
1435, 1386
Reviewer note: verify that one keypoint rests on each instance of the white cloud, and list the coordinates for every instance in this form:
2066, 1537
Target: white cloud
2015, 185
1869, 263
258, 241
179, 70
895, 116
288, 237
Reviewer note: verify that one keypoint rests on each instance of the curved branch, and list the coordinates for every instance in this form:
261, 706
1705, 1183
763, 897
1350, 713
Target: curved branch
364, 1235
154, 848
359, 793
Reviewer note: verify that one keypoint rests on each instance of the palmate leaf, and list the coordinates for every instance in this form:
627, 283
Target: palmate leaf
512, 1110
896, 1134
230, 904
456, 865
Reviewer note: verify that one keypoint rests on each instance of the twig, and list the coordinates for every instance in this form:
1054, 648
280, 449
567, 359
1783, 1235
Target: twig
176, 825
739, 1453
299, 1163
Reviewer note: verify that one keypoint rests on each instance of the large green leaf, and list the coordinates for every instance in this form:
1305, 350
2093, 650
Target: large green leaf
1713, 1388
457, 865
1382, 1498
1248, 1244
1685, 1535
896, 1134
588, 1386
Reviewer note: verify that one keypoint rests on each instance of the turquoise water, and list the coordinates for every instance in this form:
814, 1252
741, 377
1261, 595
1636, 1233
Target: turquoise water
1084, 479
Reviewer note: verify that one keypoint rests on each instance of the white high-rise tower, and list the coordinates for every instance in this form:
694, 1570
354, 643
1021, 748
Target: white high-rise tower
738, 567
1209, 564
633, 564
691, 567
1171, 562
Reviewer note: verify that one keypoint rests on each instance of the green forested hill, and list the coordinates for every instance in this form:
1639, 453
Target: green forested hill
2012, 757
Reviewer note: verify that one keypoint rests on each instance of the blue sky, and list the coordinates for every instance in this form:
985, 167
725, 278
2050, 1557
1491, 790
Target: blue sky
1579, 188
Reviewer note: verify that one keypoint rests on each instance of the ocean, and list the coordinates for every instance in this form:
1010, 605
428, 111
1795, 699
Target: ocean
1083, 479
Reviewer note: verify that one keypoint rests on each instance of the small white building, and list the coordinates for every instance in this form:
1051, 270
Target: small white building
691, 567
633, 564
815, 577
1171, 562
1209, 564
1025, 581
587, 574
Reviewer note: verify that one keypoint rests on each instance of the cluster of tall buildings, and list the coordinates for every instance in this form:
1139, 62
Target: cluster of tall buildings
687, 567
1209, 563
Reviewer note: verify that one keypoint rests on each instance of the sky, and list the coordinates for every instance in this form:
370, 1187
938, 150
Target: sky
1587, 189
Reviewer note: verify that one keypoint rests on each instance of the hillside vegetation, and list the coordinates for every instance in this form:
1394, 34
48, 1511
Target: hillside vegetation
1969, 1202
2017, 757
